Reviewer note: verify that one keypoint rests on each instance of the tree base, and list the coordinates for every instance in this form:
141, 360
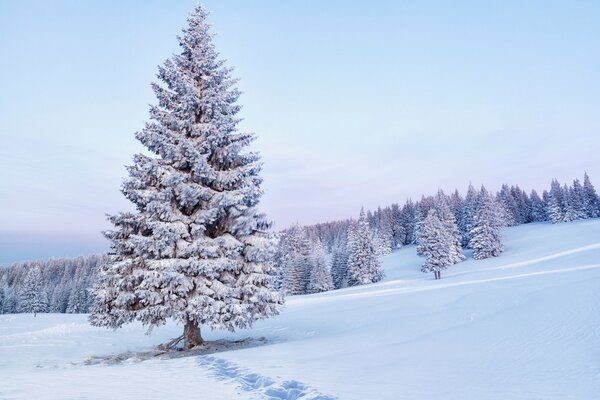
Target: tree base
191, 335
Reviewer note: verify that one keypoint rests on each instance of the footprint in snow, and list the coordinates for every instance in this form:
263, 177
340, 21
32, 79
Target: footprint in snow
270, 389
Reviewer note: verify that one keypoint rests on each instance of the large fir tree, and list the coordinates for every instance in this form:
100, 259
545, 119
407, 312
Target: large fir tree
196, 250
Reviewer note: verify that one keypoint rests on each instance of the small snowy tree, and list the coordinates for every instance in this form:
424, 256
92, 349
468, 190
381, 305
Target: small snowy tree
297, 268
556, 204
320, 275
78, 299
32, 296
591, 202
436, 245
538, 208
196, 250
382, 243
409, 220
465, 223
285, 252
486, 240
575, 204
363, 264
339, 266
447, 217
421, 210
3, 292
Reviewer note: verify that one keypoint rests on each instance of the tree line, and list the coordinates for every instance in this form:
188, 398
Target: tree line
441, 226
59, 285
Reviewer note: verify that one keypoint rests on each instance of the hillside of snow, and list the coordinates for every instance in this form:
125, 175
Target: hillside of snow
525, 325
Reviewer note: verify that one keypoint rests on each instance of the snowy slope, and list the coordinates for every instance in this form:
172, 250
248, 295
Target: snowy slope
525, 325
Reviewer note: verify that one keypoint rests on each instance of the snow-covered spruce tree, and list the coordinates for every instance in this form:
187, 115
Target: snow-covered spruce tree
465, 223
32, 296
3, 292
576, 203
408, 220
570, 204
455, 201
384, 232
382, 243
538, 208
196, 250
363, 264
556, 203
320, 275
486, 239
78, 299
591, 202
447, 217
297, 268
436, 245
507, 201
283, 254
421, 210
398, 231
339, 266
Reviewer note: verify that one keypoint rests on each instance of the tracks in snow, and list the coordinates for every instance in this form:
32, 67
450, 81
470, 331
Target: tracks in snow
264, 386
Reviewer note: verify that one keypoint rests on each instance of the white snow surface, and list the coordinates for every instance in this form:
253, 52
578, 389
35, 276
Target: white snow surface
525, 325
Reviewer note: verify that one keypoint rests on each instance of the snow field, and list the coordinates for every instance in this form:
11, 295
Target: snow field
525, 325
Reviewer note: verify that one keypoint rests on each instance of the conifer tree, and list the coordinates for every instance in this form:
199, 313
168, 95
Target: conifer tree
509, 206
78, 301
33, 298
576, 202
487, 222
286, 248
196, 250
556, 203
421, 211
570, 204
408, 220
538, 208
3, 292
398, 230
447, 217
363, 264
297, 269
436, 245
320, 274
591, 202
465, 224
339, 266
456, 204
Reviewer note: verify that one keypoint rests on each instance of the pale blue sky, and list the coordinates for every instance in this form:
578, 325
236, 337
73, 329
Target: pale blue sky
355, 103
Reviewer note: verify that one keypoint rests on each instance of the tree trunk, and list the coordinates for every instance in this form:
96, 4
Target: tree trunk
191, 335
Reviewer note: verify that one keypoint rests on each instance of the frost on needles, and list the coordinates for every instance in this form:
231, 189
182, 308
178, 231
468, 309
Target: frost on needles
196, 250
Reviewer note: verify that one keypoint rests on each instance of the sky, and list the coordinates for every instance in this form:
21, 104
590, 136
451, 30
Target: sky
355, 103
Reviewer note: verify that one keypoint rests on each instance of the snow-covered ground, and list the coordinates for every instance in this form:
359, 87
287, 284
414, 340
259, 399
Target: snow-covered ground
525, 325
